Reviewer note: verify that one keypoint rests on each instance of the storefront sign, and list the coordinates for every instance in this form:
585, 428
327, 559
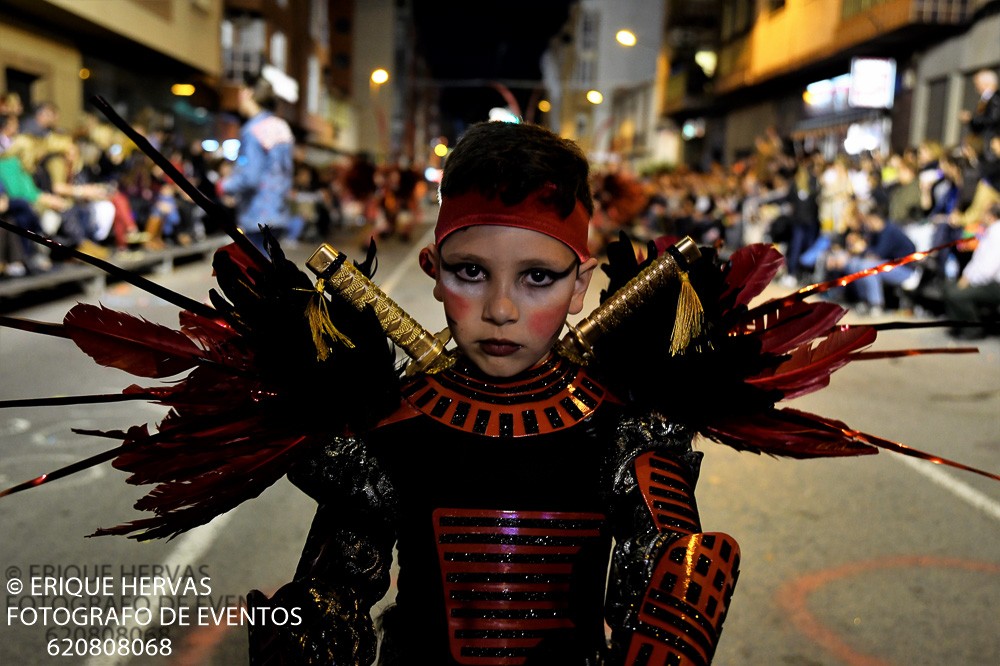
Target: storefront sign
873, 83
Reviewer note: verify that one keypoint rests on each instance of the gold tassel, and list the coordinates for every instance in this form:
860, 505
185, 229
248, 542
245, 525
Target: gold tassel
689, 319
321, 326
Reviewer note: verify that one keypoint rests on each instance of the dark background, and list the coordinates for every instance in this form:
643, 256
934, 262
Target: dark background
468, 44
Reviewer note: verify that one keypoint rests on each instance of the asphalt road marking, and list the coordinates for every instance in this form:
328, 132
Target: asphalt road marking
190, 547
411, 260
196, 543
794, 595
957, 488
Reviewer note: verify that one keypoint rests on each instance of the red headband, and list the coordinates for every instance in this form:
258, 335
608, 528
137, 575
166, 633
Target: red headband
472, 209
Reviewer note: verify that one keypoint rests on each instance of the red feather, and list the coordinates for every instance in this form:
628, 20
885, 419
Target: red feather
749, 271
790, 433
796, 434
794, 324
138, 346
809, 368
246, 264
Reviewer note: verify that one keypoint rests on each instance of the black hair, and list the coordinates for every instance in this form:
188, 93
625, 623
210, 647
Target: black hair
263, 91
513, 160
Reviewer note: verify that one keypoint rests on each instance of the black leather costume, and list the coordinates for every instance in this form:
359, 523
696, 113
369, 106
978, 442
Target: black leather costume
503, 500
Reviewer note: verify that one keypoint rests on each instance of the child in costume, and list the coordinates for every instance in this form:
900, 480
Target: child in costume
503, 479
502, 471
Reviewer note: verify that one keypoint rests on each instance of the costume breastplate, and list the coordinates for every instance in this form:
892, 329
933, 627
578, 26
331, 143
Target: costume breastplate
554, 395
507, 578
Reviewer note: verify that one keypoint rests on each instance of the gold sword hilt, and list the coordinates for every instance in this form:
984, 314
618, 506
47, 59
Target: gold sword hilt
578, 343
340, 276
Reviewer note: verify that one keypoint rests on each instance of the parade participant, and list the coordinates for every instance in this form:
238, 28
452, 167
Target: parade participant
502, 561
261, 180
502, 468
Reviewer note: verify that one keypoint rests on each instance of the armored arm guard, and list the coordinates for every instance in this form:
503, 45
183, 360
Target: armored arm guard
670, 584
344, 568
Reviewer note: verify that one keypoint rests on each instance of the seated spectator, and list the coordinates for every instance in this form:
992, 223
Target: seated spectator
17, 164
10, 103
165, 221
91, 215
978, 287
881, 241
827, 258
945, 208
11, 258
44, 119
904, 195
100, 161
987, 190
20, 256
9, 128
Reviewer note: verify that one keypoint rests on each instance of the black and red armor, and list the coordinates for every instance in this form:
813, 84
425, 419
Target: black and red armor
505, 500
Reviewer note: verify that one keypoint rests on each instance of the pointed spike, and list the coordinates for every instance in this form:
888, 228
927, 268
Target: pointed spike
146, 285
73, 468
75, 400
32, 326
210, 207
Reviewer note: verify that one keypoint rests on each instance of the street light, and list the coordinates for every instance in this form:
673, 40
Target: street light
625, 37
595, 96
378, 77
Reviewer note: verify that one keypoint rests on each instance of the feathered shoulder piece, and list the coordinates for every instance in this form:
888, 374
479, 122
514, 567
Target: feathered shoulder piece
253, 382
741, 358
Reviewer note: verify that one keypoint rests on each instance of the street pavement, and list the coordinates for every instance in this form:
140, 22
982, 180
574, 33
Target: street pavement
879, 560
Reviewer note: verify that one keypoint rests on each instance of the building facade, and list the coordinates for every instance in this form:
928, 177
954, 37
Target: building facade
838, 75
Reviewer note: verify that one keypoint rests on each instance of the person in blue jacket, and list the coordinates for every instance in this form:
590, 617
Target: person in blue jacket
261, 180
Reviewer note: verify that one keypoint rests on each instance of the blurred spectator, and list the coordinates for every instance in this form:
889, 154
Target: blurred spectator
904, 195
404, 190
835, 192
310, 214
827, 258
359, 203
165, 221
11, 103
20, 255
940, 195
261, 180
91, 214
881, 241
804, 214
17, 164
984, 120
978, 288
12, 262
43, 119
984, 123
619, 199
9, 128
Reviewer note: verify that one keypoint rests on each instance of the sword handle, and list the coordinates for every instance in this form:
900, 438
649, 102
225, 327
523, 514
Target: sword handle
578, 343
341, 277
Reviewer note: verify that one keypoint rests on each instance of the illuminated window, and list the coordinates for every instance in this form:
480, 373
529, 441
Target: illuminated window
279, 51
243, 40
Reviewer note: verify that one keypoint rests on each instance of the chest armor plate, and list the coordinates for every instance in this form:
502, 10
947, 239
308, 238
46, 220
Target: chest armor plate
507, 578
555, 395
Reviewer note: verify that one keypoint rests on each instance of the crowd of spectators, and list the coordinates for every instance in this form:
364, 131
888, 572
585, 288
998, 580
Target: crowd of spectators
91, 189
830, 215
835, 216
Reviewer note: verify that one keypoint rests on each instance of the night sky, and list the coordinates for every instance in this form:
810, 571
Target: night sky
468, 43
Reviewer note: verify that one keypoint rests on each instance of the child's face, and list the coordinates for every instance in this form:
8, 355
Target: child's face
506, 293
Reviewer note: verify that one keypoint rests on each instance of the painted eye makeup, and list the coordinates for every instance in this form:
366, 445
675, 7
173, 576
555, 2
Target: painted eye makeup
465, 271
543, 277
